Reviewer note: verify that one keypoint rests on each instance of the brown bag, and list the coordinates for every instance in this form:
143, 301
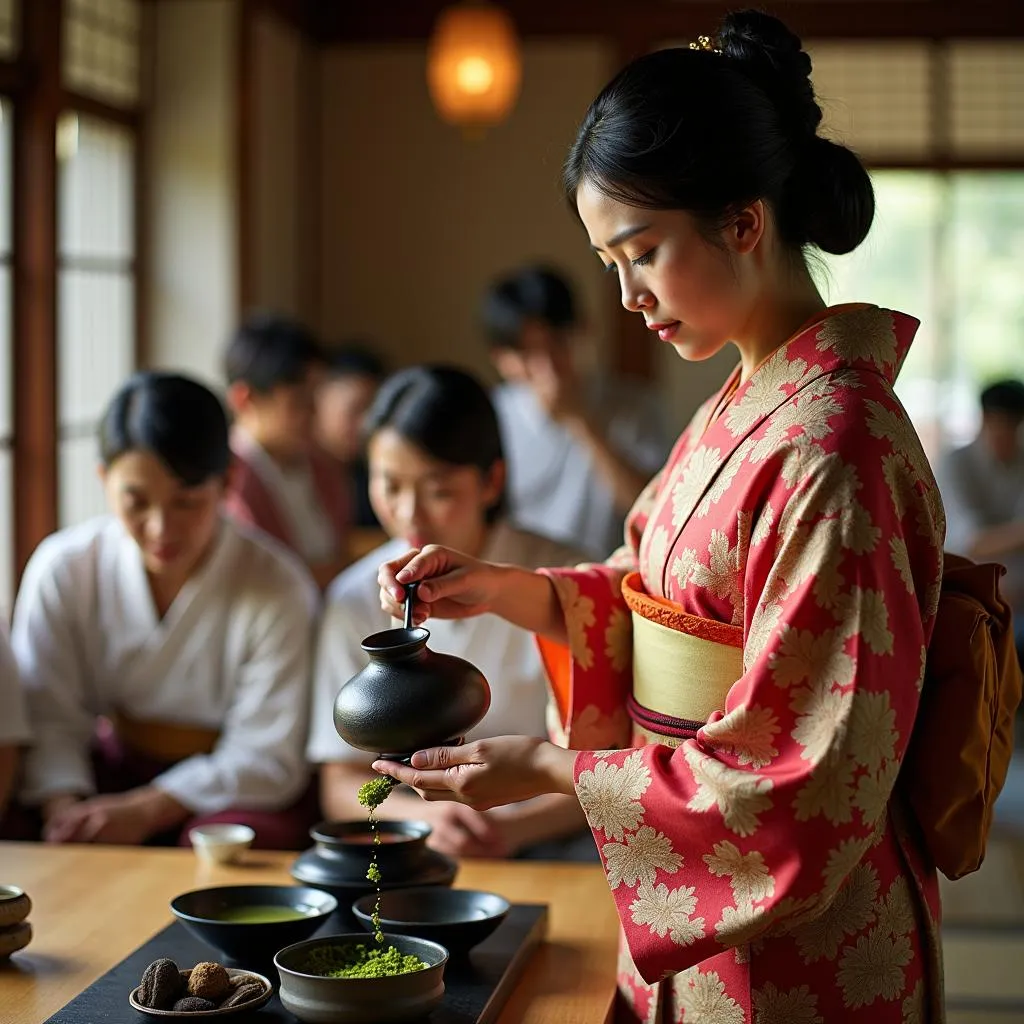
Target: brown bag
962, 739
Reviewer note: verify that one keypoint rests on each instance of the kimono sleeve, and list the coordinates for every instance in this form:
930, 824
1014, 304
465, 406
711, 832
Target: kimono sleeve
259, 760
590, 678
45, 639
757, 822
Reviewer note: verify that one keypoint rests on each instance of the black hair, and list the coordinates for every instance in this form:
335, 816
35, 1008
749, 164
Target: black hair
532, 293
446, 412
1005, 397
712, 130
175, 418
355, 359
269, 350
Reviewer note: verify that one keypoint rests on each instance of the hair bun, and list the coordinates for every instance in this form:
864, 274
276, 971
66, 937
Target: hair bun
773, 57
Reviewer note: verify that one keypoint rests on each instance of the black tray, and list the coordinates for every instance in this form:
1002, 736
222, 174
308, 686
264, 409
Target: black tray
475, 989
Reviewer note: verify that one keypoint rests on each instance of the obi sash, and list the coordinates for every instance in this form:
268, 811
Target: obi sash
168, 742
683, 666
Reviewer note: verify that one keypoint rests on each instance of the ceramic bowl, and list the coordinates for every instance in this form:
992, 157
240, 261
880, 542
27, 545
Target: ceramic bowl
459, 919
233, 973
339, 860
14, 905
315, 999
203, 912
221, 844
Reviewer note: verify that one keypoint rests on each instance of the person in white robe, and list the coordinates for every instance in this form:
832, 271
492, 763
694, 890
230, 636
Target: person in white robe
188, 638
14, 729
437, 476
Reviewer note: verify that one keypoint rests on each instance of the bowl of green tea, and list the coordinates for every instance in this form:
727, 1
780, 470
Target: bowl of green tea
352, 979
249, 923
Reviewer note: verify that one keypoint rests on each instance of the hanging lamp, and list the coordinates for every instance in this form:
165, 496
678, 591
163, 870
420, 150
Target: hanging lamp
473, 65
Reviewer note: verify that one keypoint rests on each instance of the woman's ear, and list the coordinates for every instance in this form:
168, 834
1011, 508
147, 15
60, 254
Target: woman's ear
238, 396
494, 483
746, 227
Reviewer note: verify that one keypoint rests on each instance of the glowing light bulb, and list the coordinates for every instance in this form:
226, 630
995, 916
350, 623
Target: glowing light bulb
474, 75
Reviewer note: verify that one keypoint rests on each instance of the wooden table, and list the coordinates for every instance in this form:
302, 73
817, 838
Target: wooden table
94, 905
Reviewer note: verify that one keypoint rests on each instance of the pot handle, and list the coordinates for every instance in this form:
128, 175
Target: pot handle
410, 597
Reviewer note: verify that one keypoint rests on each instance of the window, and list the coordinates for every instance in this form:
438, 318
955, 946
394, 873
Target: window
101, 49
96, 295
945, 247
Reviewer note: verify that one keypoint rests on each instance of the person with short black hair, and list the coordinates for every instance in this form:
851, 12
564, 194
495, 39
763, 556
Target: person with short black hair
982, 486
580, 446
354, 373
738, 686
165, 651
438, 477
283, 482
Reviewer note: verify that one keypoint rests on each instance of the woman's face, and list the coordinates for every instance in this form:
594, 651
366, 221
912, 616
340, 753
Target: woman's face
425, 501
695, 295
342, 404
173, 525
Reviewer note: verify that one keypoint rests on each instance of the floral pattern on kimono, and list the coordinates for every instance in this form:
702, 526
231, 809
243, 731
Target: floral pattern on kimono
760, 870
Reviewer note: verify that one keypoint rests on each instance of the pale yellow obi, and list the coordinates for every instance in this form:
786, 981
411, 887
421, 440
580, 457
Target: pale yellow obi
683, 666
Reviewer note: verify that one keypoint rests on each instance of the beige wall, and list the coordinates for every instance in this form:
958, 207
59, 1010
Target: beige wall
191, 188
284, 173
417, 219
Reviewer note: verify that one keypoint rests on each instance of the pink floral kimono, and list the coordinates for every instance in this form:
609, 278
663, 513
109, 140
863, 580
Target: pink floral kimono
756, 848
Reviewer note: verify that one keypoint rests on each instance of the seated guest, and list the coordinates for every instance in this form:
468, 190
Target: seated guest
14, 730
580, 447
982, 488
284, 483
189, 635
353, 375
437, 476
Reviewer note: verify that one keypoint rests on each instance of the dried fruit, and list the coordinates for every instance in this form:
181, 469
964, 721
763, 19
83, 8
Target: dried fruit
161, 984
209, 981
245, 990
190, 1004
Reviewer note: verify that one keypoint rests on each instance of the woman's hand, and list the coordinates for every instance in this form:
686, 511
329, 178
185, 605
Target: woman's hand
487, 773
454, 585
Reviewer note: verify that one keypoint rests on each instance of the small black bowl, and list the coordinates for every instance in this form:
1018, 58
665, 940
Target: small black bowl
456, 918
202, 910
343, 851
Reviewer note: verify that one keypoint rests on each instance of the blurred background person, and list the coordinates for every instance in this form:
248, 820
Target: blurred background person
14, 729
982, 487
580, 448
165, 652
437, 476
354, 373
283, 482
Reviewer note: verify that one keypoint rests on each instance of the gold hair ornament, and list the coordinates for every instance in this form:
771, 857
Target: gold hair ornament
704, 43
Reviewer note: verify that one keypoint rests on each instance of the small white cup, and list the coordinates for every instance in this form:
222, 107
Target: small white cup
221, 844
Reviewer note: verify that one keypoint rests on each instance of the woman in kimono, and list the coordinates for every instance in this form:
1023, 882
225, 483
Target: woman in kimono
437, 475
165, 652
757, 648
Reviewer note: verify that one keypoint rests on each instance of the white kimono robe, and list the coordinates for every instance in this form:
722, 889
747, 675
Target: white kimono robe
506, 655
233, 653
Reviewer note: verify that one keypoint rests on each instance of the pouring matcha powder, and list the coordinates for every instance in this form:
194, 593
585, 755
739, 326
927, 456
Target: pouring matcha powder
371, 795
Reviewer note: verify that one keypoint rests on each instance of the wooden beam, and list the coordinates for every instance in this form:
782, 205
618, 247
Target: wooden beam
35, 281
413, 20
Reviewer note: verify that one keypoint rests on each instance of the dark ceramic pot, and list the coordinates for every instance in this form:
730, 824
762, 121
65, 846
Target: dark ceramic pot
409, 697
339, 860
